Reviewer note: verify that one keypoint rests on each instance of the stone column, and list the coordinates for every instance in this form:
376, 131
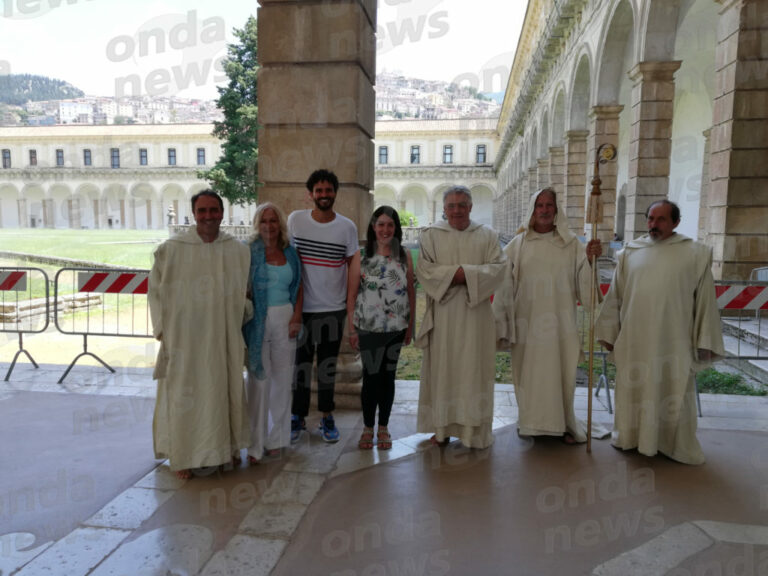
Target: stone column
96, 214
21, 205
575, 178
49, 220
556, 168
73, 213
316, 101
704, 196
739, 147
650, 145
533, 184
604, 129
542, 173
149, 213
123, 221
131, 214
317, 109
520, 198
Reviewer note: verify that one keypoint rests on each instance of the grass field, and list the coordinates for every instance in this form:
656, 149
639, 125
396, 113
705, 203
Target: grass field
129, 248
134, 248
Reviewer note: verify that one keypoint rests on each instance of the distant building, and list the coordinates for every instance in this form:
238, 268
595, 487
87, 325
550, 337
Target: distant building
416, 160
104, 176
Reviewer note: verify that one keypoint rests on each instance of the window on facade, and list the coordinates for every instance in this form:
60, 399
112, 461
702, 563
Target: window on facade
480, 154
201, 156
114, 157
171, 156
142, 156
33, 157
448, 154
383, 155
415, 155
6, 158
59, 157
87, 160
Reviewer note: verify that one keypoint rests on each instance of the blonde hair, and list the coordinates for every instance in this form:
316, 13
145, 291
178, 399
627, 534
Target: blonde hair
283, 240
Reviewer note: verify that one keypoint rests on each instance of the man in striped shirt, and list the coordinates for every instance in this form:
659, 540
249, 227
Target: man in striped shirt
326, 242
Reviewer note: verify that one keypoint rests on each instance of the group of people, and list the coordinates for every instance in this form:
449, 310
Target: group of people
289, 292
274, 304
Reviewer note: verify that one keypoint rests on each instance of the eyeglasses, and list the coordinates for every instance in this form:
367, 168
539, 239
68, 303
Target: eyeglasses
460, 205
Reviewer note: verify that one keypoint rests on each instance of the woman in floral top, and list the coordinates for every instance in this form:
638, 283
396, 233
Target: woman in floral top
381, 302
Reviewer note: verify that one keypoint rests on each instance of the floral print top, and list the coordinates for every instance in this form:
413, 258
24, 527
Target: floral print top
382, 300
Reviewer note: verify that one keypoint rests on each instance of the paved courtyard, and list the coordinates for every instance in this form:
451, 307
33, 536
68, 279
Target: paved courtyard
80, 493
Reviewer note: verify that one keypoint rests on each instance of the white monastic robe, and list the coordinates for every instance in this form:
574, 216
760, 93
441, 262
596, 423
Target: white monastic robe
660, 309
197, 300
535, 309
457, 332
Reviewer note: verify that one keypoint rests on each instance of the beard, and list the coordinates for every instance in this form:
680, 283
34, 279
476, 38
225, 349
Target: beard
324, 204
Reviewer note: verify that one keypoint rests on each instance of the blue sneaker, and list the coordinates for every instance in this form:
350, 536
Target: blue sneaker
297, 427
329, 430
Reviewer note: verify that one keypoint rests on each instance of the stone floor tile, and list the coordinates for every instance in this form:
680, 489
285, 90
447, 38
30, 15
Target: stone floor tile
735, 533
659, 555
245, 556
129, 509
161, 478
76, 554
16, 550
277, 520
172, 550
293, 487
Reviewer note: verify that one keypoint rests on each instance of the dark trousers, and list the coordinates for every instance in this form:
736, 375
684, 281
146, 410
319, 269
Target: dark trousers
379, 352
322, 333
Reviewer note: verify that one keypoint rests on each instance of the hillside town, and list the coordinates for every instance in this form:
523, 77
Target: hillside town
397, 98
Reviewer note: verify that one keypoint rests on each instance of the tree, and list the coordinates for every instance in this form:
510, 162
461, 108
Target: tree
408, 218
235, 175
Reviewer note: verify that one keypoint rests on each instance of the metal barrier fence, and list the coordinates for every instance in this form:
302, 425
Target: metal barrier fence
744, 317
108, 302
24, 306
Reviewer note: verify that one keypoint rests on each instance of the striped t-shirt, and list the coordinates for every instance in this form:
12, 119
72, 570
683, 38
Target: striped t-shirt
323, 249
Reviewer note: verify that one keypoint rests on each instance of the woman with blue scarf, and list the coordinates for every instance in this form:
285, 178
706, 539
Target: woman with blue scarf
275, 282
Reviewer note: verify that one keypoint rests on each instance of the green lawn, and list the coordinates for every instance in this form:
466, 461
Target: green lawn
129, 248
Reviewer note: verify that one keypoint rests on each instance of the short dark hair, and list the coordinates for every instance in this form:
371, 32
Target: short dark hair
323, 175
370, 235
674, 211
207, 192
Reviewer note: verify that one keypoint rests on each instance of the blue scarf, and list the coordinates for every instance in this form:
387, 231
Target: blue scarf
253, 330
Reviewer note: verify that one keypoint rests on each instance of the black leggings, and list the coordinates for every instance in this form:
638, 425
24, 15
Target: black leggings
379, 352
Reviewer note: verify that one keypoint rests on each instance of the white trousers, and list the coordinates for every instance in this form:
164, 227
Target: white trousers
269, 399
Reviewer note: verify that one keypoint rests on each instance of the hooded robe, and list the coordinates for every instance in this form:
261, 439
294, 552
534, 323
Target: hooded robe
535, 309
197, 298
660, 309
457, 334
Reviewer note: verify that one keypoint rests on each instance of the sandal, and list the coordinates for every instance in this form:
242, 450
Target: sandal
383, 438
366, 439
444, 442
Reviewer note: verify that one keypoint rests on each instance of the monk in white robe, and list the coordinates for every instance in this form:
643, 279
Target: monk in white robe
547, 274
459, 267
197, 298
661, 320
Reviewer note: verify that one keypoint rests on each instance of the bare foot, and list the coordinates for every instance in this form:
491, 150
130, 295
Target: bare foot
443, 442
569, 439
252, 461
183, 474
236, 460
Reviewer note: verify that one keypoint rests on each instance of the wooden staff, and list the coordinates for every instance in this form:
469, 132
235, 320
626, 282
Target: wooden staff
603, 154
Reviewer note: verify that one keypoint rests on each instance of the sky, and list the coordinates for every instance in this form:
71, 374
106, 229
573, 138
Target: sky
174, 47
